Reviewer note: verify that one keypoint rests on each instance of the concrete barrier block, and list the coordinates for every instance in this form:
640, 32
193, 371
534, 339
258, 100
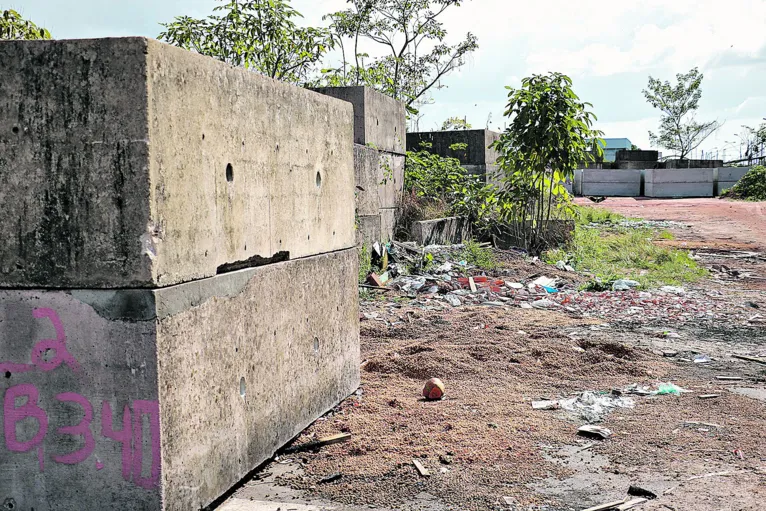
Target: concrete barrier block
368, 229
379, 120
162, 399
679, 182
368, 176
732, 174
130, 163
611, 183
391, 180
387, 224
442, 231
477, 151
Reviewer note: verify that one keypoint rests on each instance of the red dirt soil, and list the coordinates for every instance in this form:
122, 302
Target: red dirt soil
720, 223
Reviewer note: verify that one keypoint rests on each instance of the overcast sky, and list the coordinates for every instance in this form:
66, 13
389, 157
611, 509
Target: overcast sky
608, 48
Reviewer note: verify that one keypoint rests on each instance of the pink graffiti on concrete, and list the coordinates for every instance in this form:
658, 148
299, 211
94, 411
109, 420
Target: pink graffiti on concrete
42, 348
131, 436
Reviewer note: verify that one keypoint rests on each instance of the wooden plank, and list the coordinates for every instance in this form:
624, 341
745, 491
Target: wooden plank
328, 440
751, 359
423, 471
607, 506
631, 504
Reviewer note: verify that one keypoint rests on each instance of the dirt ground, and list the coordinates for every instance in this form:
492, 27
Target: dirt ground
484, 445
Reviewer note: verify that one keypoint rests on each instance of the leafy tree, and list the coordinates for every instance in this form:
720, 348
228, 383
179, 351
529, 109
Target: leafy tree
548, 135
455, 123
416, 56
256, 34
14, 27
679, 131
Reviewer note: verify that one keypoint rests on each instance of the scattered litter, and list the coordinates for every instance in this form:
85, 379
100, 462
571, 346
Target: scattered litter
669, 353
673, 290
624, 285
712, 474
545, 282
668, 388
729, 378
630, 504
594, 431
545, 405
697, 423
608, 506
702, 359
593, 407
433, 389
423, 471
373, 279
543, 304
637, 491
709, 396
453, 300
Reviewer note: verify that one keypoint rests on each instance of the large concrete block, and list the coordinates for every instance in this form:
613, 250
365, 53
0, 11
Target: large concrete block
443, 231
387, 224
478, 142
131, 163
610, 183
679, 182
379, 120
163, 399
368, 229
379, 179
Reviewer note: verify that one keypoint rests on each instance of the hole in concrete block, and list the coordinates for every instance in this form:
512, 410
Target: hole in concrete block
309, 237
316, 345
229, 173
319, 179
203, 136
242, 387
7, 374
15, 129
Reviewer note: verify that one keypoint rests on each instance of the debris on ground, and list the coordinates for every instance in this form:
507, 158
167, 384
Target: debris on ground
434, 389
594, 431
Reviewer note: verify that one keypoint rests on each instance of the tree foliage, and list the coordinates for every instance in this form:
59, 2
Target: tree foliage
256, 34
549, 134
455, 123
14, 27
679, 131
415, 54
751, 187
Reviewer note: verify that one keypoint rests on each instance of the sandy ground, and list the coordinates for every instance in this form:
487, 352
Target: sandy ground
484, 445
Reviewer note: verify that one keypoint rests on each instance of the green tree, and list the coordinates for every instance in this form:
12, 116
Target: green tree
256, 34
455, 123
679, 131
14, 27
548, 135
416, 56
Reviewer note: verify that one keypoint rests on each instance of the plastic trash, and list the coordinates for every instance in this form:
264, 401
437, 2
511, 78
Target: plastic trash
453, 300
543, 304
624, 285
550, 290
664, 389
673, 290
702, 359
593, 407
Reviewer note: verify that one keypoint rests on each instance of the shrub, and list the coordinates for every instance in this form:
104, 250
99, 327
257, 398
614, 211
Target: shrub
751, 187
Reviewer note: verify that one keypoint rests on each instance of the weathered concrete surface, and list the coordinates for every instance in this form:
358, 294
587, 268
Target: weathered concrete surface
727, 177
368, 229
130, 163
478, 151
442, 231
610, 183
387, 223
679, 182
379, 121
207, 379
693, 164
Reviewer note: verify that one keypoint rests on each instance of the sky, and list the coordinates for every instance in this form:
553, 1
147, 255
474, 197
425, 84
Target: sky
609, 49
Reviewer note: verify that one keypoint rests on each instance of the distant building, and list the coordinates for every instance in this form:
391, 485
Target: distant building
613, 145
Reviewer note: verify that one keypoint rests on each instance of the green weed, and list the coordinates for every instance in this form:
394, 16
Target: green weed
476, 255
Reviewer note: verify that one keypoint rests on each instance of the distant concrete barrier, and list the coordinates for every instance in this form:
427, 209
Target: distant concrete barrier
609, 183
727, 177
679, 183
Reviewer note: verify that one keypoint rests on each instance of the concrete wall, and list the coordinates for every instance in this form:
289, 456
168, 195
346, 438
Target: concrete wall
379, 121
129, 163
610, 183
379, 127
139, 369
478, 151
174, 358
443, 231
679, 183
727, 177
